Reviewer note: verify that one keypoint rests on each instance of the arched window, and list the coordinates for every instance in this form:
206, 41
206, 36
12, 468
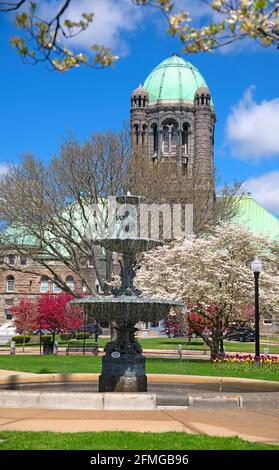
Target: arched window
11, 259
212, 135
10, 286
134, 101
184, 166
55, 288
155, 137
143, 133
70, 282
170, 137
136, 131
44, 284
23, 260
185, 138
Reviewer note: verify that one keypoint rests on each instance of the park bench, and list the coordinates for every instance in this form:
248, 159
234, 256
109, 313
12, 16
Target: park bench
93, 348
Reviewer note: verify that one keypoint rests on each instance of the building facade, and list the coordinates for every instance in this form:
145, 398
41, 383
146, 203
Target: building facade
30, 280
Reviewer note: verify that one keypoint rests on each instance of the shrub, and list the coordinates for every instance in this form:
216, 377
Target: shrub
66, 336
19, 339
82, 335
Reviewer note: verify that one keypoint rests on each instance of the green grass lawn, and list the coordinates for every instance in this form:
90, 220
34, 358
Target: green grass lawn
122, 441
172, 343
197, 344
273, 337
75, 364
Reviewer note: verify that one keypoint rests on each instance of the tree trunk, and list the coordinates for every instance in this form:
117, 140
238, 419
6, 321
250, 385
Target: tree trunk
214, 347
222, 350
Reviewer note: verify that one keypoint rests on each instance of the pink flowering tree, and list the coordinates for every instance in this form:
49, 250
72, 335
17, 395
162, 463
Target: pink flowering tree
56, 315
25, 317
211, 274
175, 324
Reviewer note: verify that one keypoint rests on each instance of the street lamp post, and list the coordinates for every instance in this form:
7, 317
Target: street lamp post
256, 266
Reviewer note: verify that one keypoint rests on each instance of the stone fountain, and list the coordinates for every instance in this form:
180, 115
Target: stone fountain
123, 365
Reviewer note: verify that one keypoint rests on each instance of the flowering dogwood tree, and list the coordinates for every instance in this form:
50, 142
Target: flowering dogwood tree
234, 20
45, 30
212, 275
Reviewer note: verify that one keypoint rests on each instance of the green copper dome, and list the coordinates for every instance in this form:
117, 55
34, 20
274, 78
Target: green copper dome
174, 79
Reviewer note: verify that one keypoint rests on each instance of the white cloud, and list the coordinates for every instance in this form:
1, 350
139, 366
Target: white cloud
113, 19
265, 190
252, 129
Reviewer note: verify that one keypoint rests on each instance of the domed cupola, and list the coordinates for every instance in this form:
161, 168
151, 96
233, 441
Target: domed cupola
139, 97
174, 79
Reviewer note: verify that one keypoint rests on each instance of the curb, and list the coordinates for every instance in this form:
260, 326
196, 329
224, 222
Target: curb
134, 401
266, 393
78, 401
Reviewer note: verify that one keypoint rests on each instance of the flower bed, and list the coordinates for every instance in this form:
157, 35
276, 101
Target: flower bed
247, 365
247, 359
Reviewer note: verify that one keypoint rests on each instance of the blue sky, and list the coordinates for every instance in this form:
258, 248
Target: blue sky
39, 107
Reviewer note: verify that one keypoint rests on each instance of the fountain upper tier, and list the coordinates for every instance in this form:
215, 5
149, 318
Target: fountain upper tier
128, 245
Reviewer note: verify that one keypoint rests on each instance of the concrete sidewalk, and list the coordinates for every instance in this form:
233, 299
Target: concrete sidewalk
254, 425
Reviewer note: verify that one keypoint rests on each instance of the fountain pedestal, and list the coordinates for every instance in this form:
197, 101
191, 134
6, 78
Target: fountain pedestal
123, 374
123, 365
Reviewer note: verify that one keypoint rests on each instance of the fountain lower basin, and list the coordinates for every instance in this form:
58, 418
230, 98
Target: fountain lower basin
184, 391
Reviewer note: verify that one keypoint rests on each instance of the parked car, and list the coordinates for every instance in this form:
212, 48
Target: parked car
242, 334
43, 332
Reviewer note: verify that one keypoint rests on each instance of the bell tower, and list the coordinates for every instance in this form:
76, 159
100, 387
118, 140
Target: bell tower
172, 124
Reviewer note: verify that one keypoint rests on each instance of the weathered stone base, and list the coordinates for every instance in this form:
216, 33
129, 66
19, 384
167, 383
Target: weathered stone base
123, 374
113, 383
